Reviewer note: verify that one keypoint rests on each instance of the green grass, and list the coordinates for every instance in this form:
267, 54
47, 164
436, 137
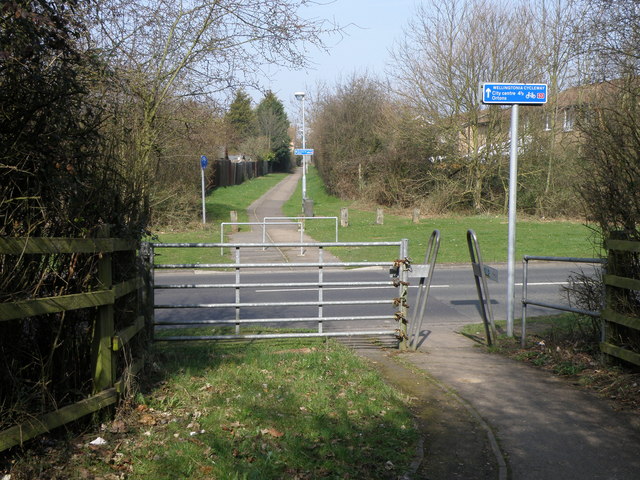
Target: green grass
218, 204
264, 410
548, 238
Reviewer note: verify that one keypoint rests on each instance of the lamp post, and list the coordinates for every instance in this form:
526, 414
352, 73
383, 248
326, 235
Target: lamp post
300, 96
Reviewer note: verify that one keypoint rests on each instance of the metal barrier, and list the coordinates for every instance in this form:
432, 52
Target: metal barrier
297, 219
425, 273
480, 273
399, 282
264, 231
526, 301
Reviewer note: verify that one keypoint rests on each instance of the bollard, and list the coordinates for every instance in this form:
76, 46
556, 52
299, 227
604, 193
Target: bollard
416, 215
234, 221
344, 217
308, 207
379, 216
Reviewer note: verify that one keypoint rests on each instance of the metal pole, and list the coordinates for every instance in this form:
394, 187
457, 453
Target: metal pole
525, 275
513, 186
404, 292
204, 215
304, 159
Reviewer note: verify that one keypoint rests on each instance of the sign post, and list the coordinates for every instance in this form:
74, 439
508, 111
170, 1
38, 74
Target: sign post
203, 164
514, 94
305, 152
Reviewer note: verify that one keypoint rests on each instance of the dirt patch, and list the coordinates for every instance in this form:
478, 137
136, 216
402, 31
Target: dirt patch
454, 443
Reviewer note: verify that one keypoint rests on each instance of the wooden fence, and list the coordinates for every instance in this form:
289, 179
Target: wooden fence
109, 379
622, 302
226, 173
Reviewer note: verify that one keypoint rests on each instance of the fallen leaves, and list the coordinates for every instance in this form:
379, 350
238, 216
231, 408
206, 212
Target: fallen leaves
272, 431
147, 419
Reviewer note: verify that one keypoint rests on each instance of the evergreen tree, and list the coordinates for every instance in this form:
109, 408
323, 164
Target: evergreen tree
271, 122
241, 119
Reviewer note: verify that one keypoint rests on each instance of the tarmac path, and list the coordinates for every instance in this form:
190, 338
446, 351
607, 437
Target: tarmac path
489, 416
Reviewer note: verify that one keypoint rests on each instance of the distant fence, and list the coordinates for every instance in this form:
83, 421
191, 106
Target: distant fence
622, 302
111, 363
226, 172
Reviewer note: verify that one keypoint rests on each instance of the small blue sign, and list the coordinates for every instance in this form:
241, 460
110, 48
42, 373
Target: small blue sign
514, 93
204, 161
303, 151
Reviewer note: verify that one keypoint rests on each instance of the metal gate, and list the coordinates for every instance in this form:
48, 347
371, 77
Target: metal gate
307, 299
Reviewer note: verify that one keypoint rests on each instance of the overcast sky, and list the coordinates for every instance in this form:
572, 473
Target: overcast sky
373, 25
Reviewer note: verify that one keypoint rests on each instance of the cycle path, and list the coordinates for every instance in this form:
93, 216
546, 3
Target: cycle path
268, 206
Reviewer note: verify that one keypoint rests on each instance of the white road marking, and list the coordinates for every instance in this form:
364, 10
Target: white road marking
324, 289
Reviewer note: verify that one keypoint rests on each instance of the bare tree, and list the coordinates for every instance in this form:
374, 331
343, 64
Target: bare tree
449, 48
556, 28
166, 48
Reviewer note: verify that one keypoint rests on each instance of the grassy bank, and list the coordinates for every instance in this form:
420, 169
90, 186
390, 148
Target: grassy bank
260, 410
218, 204
550, 238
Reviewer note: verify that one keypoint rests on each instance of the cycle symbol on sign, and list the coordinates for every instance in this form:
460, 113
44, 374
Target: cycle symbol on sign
531, 95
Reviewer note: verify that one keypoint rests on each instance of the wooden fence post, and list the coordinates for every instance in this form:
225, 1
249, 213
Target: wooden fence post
147, 301
104, 370
344, 217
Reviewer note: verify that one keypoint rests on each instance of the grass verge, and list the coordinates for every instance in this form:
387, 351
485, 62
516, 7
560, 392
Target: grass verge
296, 409
567, 345
550, 238
219, 205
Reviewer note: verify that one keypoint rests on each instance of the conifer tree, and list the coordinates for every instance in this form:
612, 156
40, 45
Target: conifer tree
240, 119
272, 122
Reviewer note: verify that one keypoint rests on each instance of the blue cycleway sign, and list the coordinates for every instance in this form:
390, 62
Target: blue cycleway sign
204, 161
303, 151
514, 93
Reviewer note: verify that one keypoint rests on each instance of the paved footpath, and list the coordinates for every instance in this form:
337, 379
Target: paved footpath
542, 427
270, 205
546, 428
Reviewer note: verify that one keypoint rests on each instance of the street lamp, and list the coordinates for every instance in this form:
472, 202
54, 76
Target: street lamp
300, 96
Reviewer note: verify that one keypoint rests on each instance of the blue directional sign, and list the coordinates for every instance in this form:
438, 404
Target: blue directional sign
204, 161
514, 93
303, 151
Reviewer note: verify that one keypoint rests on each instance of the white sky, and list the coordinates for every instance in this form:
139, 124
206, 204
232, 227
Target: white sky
376, 24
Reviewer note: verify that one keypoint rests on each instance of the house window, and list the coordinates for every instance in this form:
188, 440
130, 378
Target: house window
569, 117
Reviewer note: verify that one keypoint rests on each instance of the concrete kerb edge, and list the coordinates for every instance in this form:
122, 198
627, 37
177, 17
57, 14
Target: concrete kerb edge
503, 470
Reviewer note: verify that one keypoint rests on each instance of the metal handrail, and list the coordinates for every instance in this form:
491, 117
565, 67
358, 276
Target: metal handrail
302, 219
424, 285
526, 301
480, 277
264, 226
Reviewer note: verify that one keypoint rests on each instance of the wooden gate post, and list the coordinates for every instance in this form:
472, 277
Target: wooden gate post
147, 301
104, 365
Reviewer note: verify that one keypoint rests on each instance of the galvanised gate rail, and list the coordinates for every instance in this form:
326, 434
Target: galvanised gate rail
397, 281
